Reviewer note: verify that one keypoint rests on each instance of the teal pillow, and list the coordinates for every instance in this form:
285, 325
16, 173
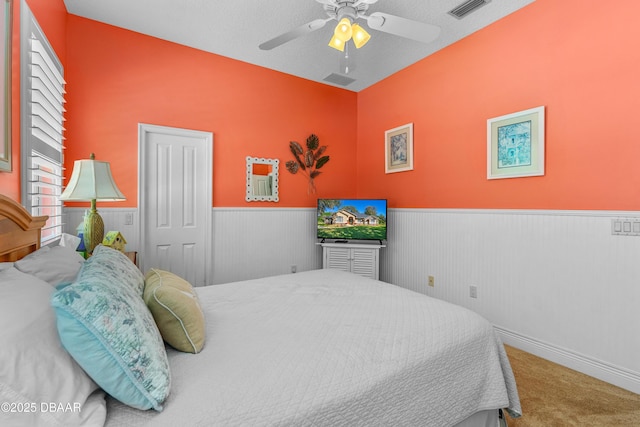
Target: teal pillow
106, 327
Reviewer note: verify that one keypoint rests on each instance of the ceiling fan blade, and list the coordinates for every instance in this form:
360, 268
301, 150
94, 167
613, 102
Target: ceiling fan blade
403, 27
293, 34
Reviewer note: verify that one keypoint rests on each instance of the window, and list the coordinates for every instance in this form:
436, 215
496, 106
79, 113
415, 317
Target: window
42, 119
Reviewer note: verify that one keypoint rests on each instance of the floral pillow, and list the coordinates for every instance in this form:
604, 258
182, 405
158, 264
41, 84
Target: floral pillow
115, 267
105, 325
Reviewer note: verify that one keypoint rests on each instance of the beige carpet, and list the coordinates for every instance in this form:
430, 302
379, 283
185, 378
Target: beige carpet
552, 395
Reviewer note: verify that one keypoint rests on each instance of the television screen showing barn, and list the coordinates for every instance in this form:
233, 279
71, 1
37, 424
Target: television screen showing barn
352, 219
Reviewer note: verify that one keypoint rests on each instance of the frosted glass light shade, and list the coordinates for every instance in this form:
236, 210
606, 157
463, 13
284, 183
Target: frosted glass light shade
360, 36
343, 30
91, 180
336, 43
346, 31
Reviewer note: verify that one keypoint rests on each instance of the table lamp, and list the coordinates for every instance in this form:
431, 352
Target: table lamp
91, 180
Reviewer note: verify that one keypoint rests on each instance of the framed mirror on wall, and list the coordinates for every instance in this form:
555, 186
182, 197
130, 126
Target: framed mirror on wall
5, 90
262, 179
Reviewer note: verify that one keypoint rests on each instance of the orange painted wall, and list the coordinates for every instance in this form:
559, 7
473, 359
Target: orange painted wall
582, 63
118, 78
52, 17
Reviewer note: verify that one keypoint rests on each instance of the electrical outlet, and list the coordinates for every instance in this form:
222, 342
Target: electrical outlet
294, 268
473, 291
128, 218
432, 281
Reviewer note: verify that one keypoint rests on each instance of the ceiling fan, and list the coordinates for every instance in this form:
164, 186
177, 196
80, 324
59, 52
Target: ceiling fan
347, 13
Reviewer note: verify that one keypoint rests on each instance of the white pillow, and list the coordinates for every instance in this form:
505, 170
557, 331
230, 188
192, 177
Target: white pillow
35, 370
69, 241
5, 265
59, 264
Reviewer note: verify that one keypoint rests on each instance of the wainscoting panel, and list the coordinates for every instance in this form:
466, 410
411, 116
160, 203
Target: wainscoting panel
115, 219
559, 278
247, 242
256, 242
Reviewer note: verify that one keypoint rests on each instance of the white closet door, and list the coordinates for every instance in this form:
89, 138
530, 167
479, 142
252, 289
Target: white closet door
175, 198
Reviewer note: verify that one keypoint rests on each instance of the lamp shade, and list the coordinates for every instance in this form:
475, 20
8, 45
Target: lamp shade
91, 180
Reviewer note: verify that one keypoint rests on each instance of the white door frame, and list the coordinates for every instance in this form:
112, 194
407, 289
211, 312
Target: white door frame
143, 130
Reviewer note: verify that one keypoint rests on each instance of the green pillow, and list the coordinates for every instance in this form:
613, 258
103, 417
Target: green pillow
175, 307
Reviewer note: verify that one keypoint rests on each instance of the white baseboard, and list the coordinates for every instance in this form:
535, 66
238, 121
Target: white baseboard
612, 374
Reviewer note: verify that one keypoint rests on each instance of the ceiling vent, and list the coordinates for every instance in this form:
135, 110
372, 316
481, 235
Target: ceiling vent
467, 7
339, 79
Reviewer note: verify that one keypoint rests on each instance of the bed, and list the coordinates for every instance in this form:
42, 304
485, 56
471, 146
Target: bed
317, 348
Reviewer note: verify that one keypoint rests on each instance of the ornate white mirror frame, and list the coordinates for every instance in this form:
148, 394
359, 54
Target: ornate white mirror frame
262, 179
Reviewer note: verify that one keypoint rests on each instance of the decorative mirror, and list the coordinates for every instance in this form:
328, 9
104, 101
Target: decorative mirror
262, 179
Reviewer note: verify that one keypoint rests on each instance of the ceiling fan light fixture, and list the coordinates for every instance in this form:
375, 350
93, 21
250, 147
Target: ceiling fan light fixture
336, 43
343, 30
360, 36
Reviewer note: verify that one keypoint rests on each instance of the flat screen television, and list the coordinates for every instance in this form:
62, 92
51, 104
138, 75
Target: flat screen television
352, 219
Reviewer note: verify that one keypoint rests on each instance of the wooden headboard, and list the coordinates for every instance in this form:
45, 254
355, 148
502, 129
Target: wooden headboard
19, 231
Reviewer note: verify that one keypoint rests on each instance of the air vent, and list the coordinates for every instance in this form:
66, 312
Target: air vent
339, 79
467, 7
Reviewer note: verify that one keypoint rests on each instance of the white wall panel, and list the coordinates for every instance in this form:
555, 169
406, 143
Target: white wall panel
557, 278
115, 219
256, 242
247, 243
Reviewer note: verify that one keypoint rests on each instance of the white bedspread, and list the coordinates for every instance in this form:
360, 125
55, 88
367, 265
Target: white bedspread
328, 348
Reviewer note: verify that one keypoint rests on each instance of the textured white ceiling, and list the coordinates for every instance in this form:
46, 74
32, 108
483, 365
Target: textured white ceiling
235, 28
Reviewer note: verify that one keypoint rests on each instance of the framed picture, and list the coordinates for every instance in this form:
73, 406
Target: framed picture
398, 150
5, 87
515, 144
